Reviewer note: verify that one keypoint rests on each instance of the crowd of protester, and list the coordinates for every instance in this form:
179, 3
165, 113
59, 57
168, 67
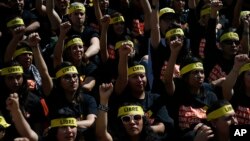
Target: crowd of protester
125, 70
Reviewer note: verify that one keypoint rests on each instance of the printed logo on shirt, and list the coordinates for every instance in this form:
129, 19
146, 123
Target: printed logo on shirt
243, 115
189, 115
202, 47
216, 73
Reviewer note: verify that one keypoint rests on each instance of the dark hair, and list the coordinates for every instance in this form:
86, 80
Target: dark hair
147, 133
188, 60
67, 56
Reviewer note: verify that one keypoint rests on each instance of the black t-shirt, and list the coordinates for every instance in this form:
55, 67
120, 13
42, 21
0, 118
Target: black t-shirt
190, 109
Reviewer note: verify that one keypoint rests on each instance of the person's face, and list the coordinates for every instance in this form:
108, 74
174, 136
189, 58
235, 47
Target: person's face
137, 82
77, 52
104, 4
223, 123
204, 20
62, 4
70, 82
230, 47
66, 133
247, 79
77, 18
119, 28
13, 82
17, 4
166, 22
179, 5
196, 78
25, 60
133, 124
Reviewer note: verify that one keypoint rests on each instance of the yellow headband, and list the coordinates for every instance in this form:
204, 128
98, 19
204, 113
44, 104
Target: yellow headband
63, 122
3, 122
117, 20
230, 36
136, 69
130, 110
244, 13
176, 31
166, 10
15, 22
125, 42
225, 110
12, 70
205, 11
76, 6
21, 51
246, 67
66, 70
74, 41
190, 67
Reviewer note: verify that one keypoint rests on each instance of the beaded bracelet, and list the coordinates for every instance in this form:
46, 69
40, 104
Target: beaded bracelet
104, 108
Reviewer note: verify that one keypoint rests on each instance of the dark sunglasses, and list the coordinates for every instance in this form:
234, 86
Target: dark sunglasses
128, 118
231, 42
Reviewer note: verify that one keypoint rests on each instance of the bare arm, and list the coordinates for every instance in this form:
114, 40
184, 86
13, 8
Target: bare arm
90, 119
17, 35
102, 133
237, 10
47, 83
103, 39
32, 27
98, 12
20, 122
228, 84
94, 47
58, 51
175, 47
88, 83
155, 35
147, 13
53, 16
245, 37
122, 79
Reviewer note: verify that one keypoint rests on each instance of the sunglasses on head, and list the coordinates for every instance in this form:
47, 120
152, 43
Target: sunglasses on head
230, 42
128, 118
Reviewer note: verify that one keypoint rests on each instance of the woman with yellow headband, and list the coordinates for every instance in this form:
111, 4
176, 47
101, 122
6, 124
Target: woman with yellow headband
67, 93
72, 49
13, 81
189, 96
63, 126
132, 123
236, 88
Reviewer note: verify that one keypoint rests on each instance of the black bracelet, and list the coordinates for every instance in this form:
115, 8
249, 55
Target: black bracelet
104, 108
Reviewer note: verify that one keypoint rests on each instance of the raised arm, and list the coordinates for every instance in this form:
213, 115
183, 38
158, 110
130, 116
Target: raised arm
17, 35
40, 7
22, 126
122, 79
237, 10
47, 83
155, 35
53, 16
98, 12
175, 47
102, 134
147, 13
58, 51
229, 82
245, 37
103, 39
94, 47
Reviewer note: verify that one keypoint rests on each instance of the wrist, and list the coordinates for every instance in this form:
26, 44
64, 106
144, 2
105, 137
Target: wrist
103, 107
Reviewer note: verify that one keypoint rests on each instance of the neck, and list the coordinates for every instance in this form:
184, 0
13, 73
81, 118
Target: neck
139, 95
79, 28
195, 90
69, 95
135, 138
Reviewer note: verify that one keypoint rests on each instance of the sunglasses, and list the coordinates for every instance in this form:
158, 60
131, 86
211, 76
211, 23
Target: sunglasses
231, 42
128, 118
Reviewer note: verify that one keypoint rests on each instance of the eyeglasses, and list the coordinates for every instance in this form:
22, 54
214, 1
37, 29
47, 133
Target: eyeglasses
231, 42
128, 118
69, 77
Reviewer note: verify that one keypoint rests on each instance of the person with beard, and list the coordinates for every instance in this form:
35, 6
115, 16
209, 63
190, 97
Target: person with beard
30, 20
